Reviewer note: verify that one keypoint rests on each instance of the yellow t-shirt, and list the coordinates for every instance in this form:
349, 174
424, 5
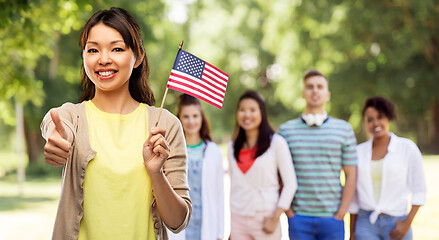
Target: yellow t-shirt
117, 188
376, 172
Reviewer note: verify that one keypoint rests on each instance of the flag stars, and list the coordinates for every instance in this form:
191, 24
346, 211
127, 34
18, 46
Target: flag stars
190, 64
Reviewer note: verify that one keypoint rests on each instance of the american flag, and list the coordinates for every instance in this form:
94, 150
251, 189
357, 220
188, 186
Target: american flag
198, 78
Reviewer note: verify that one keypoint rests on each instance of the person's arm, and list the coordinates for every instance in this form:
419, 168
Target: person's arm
59, 138
352, 222
270, 223
286, 170
417, 186
349, 163
172, 208
403, 226
354, 208
289, 212
350, 172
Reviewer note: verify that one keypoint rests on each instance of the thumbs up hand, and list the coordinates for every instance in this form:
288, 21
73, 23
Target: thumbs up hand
57, 148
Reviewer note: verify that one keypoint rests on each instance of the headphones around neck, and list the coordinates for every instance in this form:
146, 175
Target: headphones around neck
314, 119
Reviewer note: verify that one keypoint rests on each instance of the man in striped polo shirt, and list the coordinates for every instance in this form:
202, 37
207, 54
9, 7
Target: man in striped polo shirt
321, 146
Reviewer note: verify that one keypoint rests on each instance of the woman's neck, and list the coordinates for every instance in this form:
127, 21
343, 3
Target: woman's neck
251, 138
382, 141
192, 139
115, 102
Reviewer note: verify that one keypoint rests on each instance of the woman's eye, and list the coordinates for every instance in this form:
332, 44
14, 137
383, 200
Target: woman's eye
92, 50
118, 50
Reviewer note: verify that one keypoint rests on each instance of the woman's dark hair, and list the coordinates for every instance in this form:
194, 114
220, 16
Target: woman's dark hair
382, 105
120, 20
186, 100
265, 130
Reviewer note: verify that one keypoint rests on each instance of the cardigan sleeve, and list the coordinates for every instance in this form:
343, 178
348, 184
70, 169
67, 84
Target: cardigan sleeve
286, 170
68, 116
175, 167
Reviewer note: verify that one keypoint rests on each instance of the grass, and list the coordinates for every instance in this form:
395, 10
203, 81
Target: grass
28, 212
425, 225
31, 214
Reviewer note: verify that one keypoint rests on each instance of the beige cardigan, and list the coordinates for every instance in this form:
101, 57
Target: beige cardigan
70, 210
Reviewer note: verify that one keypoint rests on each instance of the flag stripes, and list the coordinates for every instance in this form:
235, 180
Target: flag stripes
198, 78
207, 84
201, 96
194, 87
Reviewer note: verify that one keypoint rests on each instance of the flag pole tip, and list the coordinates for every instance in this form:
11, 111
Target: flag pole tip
181, 45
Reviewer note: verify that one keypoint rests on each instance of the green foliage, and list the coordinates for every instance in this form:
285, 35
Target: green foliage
8, 163
32, 27
41, 168
391, 51
368, 48
387, 48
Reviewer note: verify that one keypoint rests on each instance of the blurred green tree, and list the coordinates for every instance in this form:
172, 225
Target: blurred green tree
31, 30
388, 48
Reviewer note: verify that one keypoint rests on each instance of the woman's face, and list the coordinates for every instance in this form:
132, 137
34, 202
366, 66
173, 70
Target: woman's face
249, 114
108, 61
377, 123
191, 120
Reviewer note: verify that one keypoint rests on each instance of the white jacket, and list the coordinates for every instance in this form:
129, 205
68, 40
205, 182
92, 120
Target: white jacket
258, 188
403, 175
212, 194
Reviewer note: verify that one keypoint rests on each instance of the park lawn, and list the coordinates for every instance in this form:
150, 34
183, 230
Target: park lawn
29, 215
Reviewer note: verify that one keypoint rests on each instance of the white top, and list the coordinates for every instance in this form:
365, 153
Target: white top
258, 188
403, 175
212, 195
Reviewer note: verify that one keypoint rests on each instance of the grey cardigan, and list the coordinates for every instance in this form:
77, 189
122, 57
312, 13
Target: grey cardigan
70, 210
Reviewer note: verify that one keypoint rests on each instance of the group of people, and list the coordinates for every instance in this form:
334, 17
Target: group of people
125, 179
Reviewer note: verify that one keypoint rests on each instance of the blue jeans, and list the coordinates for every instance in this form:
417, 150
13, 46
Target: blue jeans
315, 228
364, 230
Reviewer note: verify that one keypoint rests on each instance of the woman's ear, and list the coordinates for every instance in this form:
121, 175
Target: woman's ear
139, 60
